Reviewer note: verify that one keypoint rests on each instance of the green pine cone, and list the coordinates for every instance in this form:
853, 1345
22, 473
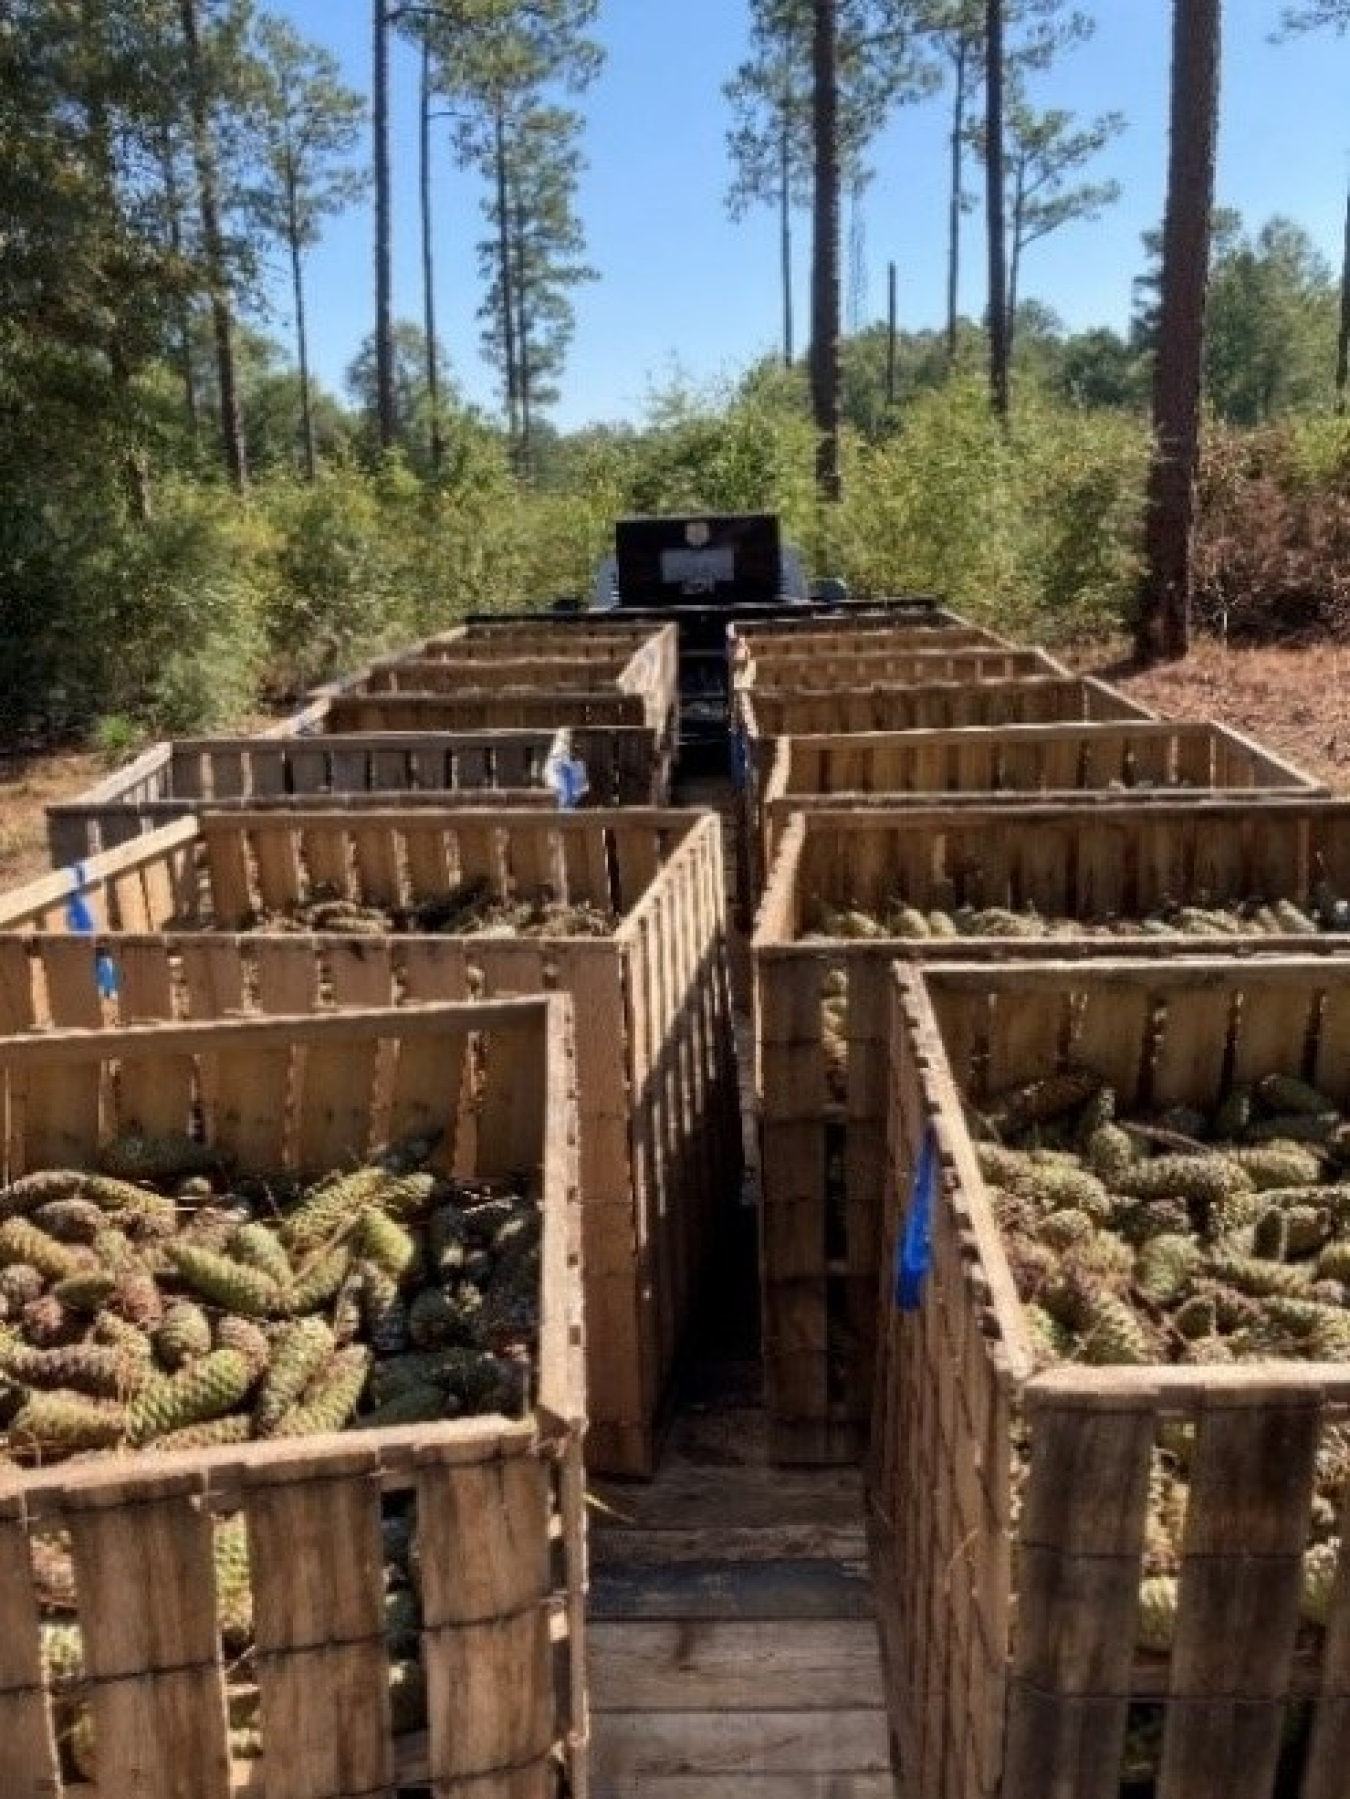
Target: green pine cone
53, 1425
204, 1389
1319, 1582
301, 1350
248, 1339
22, 1241
1164, 1266
1111, 1333
332, 1396
226, 1283
71, 1220
383, 1240
317, 1282
87, 1293
259, 1246
97, 1370
215, 1433
1202, 1180
30, 1191
331, 1208
183, 1335
417, 1404
1287, 1093
168, 1158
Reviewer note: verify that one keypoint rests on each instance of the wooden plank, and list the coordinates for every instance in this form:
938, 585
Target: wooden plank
28, 1755
485, 1631
698, 1664
719, 1588
156, 1684
642, 1746
1241, 1577
747, 1784
319, 1646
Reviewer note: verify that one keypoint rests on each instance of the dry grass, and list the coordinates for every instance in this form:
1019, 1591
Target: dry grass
27, 785
1294, 701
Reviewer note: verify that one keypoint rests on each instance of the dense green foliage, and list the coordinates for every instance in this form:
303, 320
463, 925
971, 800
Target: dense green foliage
216, 605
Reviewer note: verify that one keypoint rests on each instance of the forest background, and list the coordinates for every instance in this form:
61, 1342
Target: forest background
192, 526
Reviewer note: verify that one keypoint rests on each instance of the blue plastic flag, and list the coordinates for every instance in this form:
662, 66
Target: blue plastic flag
105, 974
914, 1253
78, 915
566, 775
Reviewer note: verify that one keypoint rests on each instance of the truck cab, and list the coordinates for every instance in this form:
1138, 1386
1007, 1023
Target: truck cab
701, 570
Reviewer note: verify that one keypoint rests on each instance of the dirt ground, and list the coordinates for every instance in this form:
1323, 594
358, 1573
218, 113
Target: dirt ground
28, 783
1295, 701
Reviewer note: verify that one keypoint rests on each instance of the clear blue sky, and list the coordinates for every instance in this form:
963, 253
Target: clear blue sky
682, 289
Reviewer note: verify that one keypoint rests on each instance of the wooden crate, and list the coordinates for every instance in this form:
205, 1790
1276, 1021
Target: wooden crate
498, 1502
1132, 760
660, 1133
1010, 1636
841, 624
888, 668
499, 767
797, 650
823, 1098
494, 667
348, 713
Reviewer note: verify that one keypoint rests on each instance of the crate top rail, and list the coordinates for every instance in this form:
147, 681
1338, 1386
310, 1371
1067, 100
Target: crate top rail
896, 668
623, 766
939, 705
1058, 862
215, 869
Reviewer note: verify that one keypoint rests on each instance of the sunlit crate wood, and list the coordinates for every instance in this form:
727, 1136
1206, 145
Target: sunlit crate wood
1130, 760
347, 713
821, 1025
888, 668
498, 1502
660, 1134
645, 665
763, 645
1010, 1631
854, 621
500, 767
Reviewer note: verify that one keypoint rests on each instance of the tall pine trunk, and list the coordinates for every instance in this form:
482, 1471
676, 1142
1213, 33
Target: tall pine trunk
213, 246
994, 209
437, 446
785, 212
386, 400
173, 205
825, 247
1343, 334
1164, 622
957, 153
505, 280
294, 237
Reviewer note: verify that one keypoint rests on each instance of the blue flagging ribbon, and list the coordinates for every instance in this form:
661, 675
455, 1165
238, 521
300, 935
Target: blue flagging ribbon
80, 921
570, 782
914, 1252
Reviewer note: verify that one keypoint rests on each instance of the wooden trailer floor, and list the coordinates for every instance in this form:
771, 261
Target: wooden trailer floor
732, 1632
733, 1642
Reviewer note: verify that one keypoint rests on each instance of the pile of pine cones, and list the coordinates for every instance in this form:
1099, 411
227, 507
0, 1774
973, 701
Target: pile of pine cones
155, 1303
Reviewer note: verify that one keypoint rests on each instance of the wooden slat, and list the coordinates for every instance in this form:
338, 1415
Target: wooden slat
485, 1621
643, 1746
718, 1664
28, 1756
1241, 1576
319, 1648
155, 1679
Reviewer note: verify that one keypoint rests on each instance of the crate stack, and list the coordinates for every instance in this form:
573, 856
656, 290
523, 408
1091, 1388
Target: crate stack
1108, 1527
347, 862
